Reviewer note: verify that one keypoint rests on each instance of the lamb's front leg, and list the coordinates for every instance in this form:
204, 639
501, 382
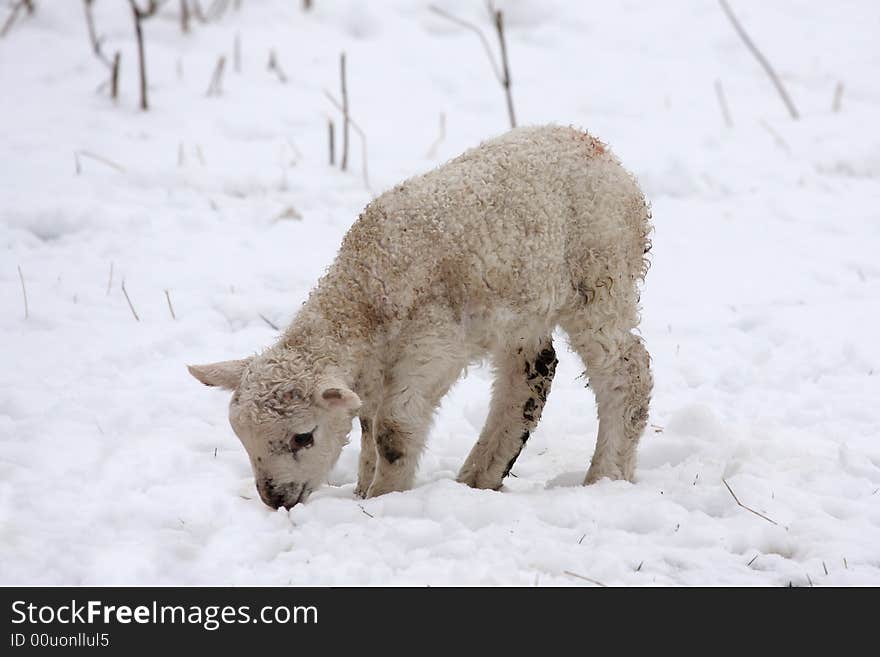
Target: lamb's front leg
367, 461
399, 443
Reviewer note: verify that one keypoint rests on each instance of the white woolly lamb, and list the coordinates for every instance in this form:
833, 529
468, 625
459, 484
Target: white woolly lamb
480, 258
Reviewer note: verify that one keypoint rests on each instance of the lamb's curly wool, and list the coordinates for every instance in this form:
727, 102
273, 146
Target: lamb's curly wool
481, 257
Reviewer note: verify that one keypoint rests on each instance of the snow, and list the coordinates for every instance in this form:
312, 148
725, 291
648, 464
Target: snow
116, 467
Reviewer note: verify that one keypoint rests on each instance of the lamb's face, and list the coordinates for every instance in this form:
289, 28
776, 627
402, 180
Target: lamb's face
293, 428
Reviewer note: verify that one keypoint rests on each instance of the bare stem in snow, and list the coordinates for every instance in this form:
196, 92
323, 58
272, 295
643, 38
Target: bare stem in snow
502, 73
761, 59
360, 133
740, 504
139, 15
114, 76
268, 321
440, 136
476, 30
93, 36
776, 136
838, 97
184, 16
236, 53
23, 292
345, 118
331, 138
133, 311
722, 101
170, 307
110, 279
16, 8
276, 67
505, 67
216, 86
585, 578
97, 158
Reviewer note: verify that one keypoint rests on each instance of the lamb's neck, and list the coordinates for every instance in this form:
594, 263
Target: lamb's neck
328, 333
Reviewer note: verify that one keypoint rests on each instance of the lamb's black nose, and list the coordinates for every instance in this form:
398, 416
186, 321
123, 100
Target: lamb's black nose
278, 495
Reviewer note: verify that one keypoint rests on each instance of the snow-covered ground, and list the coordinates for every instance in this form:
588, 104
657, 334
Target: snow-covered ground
760, 310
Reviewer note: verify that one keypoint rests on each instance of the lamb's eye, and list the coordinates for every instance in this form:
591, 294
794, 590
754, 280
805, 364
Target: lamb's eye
301, 440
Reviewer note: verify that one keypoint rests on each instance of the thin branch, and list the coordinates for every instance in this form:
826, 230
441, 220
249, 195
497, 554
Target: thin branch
269, 322
23, 292
476, 30
114, 76
331, 138
133, 312
776, 136
722, 101
366, 513
761, 59
93, 36
586, 579
345, 117
838, 97
139, 15
97, 158
432, 151
215, 88
276, 67
236, 53
740, 504
360, 134
110, 279
505, 81
170, 307
184, 16
21, 4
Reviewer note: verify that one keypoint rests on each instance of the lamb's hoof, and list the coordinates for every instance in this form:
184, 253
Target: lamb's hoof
377, 489
594, 475
479, 480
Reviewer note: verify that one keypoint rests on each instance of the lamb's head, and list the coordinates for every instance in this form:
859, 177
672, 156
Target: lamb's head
292, 421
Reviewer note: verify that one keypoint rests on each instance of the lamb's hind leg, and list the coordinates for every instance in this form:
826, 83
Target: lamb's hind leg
618, 367
522, 382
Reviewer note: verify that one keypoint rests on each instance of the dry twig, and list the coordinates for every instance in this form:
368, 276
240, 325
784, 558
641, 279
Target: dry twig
17, 7
722, 100
133, 311
740, 504
761, 59
276, 67
170, 307
93, 36
215, 88
585, 578
98, 158
23, 292
139, 15
360, 133
331, 139
269, 322
432, 151
345, 117
502, 73
838, 98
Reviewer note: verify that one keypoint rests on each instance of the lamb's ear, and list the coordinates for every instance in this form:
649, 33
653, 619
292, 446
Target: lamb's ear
225, 374
337, 396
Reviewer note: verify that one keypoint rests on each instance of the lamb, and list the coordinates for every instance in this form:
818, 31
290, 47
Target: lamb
481, 258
